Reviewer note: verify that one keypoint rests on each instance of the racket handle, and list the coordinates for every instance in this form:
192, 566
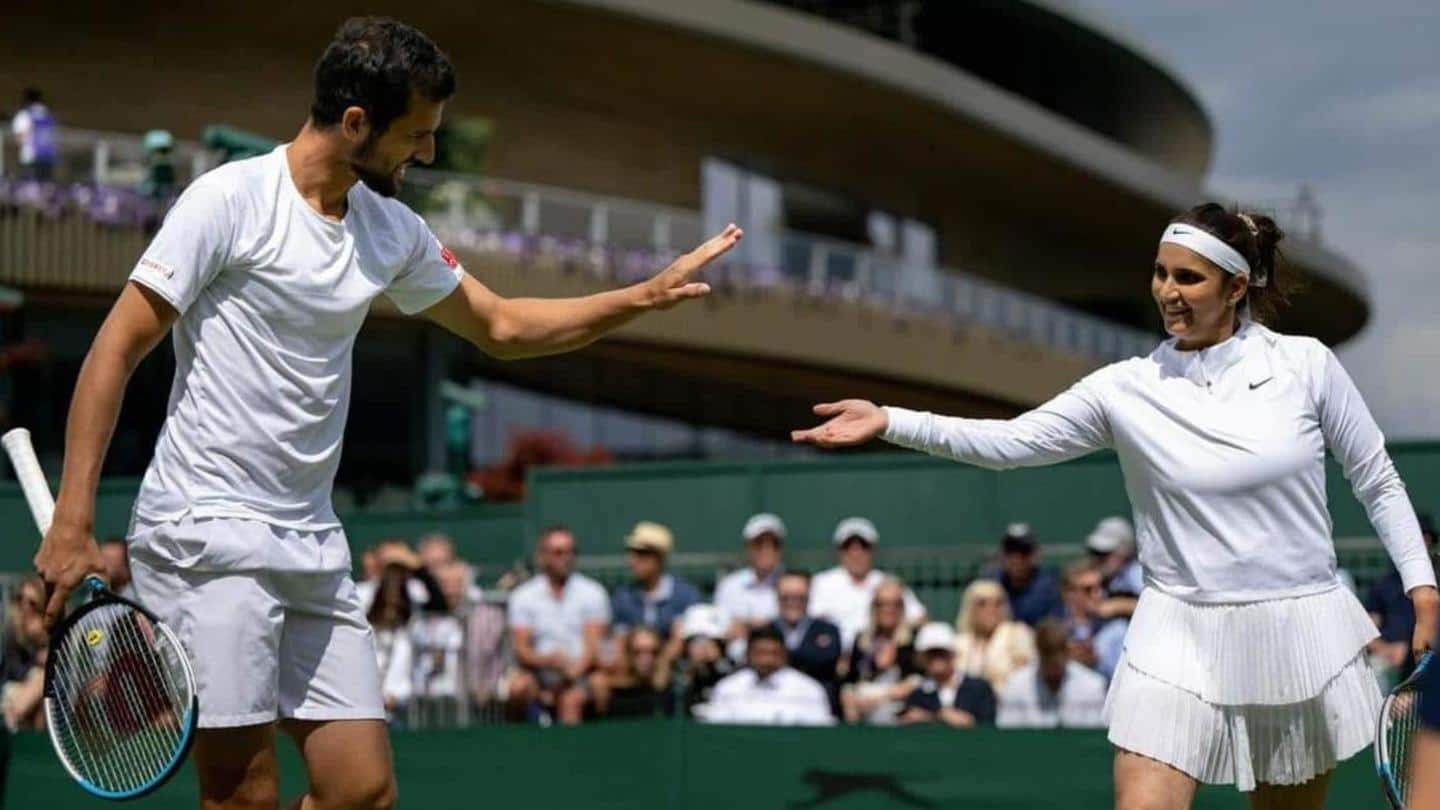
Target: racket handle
32, 479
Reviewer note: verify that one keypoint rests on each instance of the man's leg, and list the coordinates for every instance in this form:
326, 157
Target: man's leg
348, 764
237, 768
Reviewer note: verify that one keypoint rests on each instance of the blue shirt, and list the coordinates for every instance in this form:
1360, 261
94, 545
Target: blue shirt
632, 607
1040, 599
972, 695
1387, 600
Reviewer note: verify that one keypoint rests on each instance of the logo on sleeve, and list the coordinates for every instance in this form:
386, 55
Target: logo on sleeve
449, 257
162, 269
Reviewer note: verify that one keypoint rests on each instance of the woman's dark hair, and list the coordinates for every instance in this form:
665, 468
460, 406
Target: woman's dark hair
374, 63
1260, 245
391, 608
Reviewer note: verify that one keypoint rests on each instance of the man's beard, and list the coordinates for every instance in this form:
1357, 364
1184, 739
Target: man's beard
376, 179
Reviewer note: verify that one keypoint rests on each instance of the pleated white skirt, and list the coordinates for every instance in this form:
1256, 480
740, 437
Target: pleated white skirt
1274, 692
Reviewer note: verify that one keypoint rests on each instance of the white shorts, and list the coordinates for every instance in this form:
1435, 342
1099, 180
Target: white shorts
265, 644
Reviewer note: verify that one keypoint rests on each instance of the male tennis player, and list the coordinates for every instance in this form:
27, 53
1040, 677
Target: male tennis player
265, 270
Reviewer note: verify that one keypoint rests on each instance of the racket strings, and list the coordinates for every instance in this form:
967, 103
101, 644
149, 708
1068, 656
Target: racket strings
121, 696
1401, 722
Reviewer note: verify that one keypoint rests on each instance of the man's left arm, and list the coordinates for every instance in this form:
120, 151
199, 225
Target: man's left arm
515, 328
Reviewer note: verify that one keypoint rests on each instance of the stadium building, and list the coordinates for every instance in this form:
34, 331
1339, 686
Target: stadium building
951, 206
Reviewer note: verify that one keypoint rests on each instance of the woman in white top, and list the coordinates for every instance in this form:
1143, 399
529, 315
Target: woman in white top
988, 643
1244, 663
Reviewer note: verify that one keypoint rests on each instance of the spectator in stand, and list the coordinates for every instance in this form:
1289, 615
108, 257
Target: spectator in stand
1112, 546
435, 550
22, 667
1095, 641
420, 586
1394, 615
487, 650
705, 662
882, 663
655, 598
159, 183
115, 552
557, 622
812, 645
843, 594
439, 641
947, 695
767, 692
390, 614
747, 597
1055, 691
642, 687
1033, 591
990, 644
34, 129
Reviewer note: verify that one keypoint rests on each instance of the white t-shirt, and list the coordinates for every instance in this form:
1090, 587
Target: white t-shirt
837, 597
1027, 702
786, 698
437, 641
271, 296
741, 596
1223, 453
559, 624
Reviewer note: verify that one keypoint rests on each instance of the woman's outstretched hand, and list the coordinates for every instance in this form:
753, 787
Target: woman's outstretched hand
849, 422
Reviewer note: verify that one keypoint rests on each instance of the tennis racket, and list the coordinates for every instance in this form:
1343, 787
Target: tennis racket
1399, 720
120, 697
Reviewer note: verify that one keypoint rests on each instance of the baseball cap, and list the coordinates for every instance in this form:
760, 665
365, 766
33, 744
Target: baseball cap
703, 621
935, 636
1110, 534
650, 536
763, 523
1019, 537
856, 527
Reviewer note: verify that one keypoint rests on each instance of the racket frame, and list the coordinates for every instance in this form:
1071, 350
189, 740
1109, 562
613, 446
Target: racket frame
1384, 768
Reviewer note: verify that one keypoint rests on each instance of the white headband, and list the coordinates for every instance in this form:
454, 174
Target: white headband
1212, 248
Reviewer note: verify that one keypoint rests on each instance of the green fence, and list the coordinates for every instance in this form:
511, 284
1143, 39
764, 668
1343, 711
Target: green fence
668, 765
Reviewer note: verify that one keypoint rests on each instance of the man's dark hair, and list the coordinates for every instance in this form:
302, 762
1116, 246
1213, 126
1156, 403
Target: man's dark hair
374, 63
766, 632
31, 96
794, 572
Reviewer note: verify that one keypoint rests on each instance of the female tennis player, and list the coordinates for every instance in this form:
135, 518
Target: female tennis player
1244, 663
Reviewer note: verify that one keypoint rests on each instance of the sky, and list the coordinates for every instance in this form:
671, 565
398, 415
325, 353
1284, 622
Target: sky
1345, 97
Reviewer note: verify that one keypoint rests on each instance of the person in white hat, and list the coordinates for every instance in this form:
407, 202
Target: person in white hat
1245, 661
843, 594
746, 598
1112, 545
703, 662
947, 695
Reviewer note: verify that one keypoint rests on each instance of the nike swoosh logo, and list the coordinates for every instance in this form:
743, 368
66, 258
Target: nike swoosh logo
1179, 232
1253, 386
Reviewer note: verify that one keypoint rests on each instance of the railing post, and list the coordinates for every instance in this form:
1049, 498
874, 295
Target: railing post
599, 225
530, 213
102, 161
819, 258
660, 234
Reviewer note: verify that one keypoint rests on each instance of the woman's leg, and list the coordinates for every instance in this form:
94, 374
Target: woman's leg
1309, 796
1142, 783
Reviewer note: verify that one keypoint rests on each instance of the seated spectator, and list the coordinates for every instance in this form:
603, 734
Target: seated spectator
1112, 546
642, 688
947, 695
747, 597
389, 614
1055, 691
159, 183
115, 553
22, 695
435, 551
1394, 615
882, 662
812, 645
487, 651
1095, 641
655, 598
843, 594
704, 662
989, 643
439, 639
767, 693
557, 621
420, 586
1033, 592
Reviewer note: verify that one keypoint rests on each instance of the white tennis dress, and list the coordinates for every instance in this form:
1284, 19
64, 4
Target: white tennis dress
1244, 661
234, 541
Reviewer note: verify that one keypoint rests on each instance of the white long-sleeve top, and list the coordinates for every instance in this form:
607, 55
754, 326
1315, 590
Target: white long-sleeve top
1223, 454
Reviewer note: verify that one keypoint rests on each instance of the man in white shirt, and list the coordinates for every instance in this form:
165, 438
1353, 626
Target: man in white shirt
557, 622
266, 269
746, 598
768, 693
843, 594
1055, 691
35, 133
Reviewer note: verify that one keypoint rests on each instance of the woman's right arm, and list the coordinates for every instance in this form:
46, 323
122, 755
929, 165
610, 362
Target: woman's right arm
1070, 425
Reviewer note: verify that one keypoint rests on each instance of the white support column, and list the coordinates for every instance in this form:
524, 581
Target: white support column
599, 225
530, 213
